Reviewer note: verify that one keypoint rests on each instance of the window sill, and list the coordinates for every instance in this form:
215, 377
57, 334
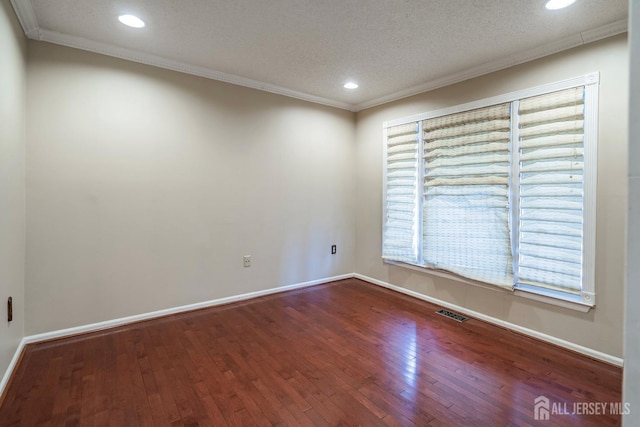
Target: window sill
573, 302
443, 274
560, 299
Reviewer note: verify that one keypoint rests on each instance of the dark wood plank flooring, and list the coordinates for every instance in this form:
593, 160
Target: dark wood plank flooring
344, 353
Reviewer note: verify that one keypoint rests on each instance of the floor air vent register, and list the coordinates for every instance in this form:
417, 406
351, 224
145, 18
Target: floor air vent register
455, 316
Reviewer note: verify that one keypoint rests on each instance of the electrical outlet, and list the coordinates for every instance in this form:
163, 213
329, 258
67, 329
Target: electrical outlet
334, 249
247, 260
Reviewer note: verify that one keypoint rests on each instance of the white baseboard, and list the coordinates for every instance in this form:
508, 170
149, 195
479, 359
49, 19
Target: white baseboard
174, 310
147, 316
595, 354
613, 360
11, 367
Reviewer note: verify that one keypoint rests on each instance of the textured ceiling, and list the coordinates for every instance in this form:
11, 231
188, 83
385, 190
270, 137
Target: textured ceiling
309, 48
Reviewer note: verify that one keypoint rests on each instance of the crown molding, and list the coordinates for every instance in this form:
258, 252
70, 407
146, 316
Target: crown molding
183, 67
28, 20
609, 30
566, 43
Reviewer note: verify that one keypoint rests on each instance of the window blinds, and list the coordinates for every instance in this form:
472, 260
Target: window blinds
500, 190
400, 223
551, 153
466, 194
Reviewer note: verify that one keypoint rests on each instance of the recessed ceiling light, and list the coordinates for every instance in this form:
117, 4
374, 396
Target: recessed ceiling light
131, 21
558, 4
351, 85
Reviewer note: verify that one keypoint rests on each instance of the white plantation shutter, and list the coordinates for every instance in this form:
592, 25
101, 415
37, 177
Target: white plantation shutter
401, 187
466, 194
551, 151
500, 190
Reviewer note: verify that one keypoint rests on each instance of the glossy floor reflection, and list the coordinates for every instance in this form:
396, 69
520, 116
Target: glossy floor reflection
345, 353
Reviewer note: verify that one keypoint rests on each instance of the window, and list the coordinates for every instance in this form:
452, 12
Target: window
500, 191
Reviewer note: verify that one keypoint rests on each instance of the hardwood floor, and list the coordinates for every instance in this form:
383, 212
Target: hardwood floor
344, 353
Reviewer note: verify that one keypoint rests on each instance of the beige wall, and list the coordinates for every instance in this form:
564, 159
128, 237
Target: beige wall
146, 187
600, 329
12, 187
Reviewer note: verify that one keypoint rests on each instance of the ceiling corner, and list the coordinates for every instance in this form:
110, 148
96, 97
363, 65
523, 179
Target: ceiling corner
179, 66
27, 17
609, 30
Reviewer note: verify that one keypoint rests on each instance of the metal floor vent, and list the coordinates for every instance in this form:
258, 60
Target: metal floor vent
455, 316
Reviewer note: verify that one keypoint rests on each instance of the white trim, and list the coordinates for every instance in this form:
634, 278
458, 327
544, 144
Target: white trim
590, 185
570, 42
595, 354
28, 20
420, 193
549, 296
608, 30
590, 82
444, 274
589, 79
11, 367
108, 324
560, 299
385, 138
514, 194
182, 67
160, 313
174, 310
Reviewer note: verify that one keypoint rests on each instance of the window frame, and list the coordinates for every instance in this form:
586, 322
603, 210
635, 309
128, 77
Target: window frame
586, 299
